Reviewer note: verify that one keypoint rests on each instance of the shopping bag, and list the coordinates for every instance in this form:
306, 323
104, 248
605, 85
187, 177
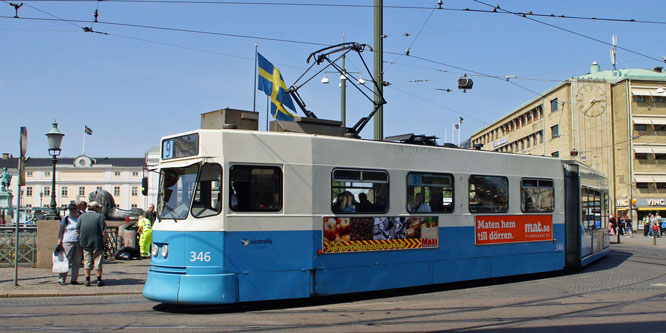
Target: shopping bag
60, 262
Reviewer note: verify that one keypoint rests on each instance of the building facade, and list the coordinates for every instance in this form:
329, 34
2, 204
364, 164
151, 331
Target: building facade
613, 121
76, 178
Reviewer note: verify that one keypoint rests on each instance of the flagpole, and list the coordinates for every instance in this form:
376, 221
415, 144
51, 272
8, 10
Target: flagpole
254, 87
84, 141
453, 132
268, 104
444, 135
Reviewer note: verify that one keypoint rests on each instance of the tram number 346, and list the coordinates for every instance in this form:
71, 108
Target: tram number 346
199, 256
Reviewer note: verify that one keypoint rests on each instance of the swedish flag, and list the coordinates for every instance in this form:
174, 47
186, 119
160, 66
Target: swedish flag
270, 82
87, 130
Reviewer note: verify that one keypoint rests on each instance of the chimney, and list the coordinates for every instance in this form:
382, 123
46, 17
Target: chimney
5, 156
658, 69
595, 68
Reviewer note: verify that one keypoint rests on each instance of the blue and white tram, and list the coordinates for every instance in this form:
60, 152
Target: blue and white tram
249, 216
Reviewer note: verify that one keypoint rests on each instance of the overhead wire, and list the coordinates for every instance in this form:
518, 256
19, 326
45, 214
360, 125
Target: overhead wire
265, 3
414, 39
570, 31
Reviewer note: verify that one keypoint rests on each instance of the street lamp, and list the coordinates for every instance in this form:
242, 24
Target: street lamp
55, 139
343, 89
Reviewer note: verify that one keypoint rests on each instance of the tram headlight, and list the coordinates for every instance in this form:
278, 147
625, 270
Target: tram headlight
154, 250
165, 251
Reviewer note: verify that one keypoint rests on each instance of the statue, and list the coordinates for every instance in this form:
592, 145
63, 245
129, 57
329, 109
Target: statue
109, 209
5, 180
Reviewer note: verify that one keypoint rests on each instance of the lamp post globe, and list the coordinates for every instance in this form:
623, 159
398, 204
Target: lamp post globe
54, 137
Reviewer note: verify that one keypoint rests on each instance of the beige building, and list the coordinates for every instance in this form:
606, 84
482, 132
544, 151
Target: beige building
76, 178
613, 121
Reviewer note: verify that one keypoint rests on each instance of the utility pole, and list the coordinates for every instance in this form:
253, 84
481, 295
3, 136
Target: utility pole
379, 68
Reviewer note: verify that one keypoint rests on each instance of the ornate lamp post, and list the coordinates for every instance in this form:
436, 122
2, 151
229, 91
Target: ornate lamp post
55, 139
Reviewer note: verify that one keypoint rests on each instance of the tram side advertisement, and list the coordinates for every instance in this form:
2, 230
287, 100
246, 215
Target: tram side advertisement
503, 229
364, 234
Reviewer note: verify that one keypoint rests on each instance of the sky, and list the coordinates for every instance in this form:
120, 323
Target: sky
150, 68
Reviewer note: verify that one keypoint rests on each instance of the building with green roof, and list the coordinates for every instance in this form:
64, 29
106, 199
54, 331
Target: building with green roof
611, 120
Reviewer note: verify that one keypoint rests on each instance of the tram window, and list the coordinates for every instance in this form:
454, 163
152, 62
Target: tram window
591, 206
255, 188
176, 190
429, 192
359, 191
208, 195
488, 194
537, 195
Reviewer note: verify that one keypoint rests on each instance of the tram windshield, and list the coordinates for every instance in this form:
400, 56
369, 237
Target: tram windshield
176, 190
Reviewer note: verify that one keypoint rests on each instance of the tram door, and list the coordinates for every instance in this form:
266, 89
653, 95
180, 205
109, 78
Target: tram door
572, 211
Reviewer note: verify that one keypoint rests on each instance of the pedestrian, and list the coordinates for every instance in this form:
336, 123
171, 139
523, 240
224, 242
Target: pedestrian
621, 225
612, 223
92, 227
647, 224
68, 238
151, 209
145, 232
83, 206
629, 227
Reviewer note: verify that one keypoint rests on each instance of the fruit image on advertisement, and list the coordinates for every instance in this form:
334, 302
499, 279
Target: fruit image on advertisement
362, 234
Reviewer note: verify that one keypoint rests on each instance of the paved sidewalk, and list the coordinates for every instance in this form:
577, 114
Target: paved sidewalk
120, 277
128, 276
639, 240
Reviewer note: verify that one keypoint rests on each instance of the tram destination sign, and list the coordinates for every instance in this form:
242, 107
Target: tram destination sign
180, 146
503, 229
364, 234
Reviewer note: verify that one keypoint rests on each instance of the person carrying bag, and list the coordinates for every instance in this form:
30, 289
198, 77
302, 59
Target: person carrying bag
68, 240
60, 262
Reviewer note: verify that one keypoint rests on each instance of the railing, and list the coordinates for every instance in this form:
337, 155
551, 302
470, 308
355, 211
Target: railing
27, 249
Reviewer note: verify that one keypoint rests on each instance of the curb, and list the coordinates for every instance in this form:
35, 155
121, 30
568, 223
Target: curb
12, 295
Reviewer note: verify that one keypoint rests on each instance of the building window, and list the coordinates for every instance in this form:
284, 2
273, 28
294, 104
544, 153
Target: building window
555, 154
63, 191
661, 128
488, 194
429, 192
135, 173
658, 99
135, 191
660, 157
252, 188
661, 186
641, 156
47, 191
28, 205
116, 173
640, 127
47, 173
134, 206
29, 173
554, 105
353, 190
98, 188
28, 191
116, 190
82, 190
639, 99
642, 185
555, 131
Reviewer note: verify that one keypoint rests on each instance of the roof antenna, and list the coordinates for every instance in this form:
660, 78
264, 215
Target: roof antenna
612, 52
16, 7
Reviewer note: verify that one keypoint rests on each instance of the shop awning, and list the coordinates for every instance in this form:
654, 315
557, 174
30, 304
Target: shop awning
650, 149
649, 179
648, 120
647, 92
